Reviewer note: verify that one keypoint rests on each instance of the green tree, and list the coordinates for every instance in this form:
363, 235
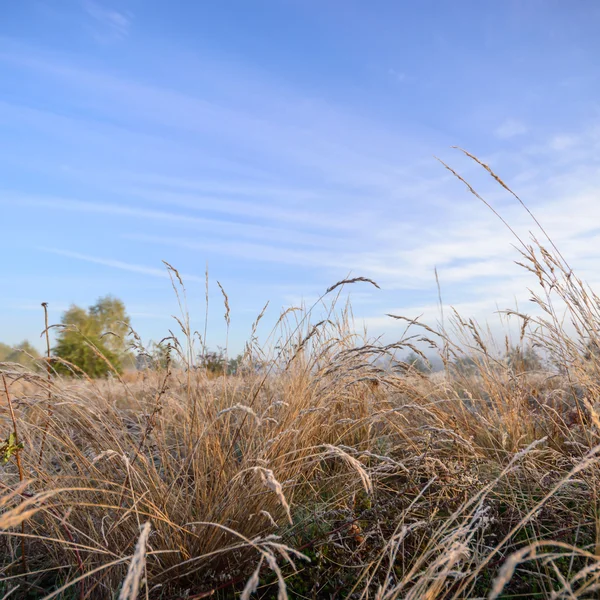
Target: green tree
112, 320
91, 339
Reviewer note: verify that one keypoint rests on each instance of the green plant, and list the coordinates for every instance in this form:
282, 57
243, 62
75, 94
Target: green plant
10, 448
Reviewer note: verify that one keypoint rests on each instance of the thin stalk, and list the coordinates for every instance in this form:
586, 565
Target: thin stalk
49, 375
19, 466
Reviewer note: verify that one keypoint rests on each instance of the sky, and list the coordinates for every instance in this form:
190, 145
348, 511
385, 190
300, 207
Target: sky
288, 144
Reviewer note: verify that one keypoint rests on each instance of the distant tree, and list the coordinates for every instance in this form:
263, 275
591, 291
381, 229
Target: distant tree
416, 362
523, 360
464, 365
234, 364
89, 339
24, 354
143, 361
111, 318
216, 363
212, 361
592, 350
5, 350
157, 355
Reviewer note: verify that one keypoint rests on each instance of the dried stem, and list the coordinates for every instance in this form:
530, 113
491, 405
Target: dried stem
19, 465
49, 375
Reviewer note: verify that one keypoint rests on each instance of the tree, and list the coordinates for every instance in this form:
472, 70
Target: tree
92, 339
235, 365
24, 354
5, 350
592, 350
216, 363
158, 355
112, 320
416, 362
465, 365
522, 360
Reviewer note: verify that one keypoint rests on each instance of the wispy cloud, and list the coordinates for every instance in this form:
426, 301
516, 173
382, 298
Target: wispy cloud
298, 136
563, 142
253, 252
30, 306
510, 128
242, 208
112, 23
216, 227
117, 264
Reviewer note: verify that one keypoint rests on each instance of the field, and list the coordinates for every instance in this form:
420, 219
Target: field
324, 468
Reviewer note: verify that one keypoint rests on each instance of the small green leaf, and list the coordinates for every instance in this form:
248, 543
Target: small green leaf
9, 448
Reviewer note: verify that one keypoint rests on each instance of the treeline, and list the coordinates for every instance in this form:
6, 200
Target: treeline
99, 340
518, 359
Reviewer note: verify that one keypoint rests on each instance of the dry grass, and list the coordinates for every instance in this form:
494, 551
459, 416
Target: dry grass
333, 470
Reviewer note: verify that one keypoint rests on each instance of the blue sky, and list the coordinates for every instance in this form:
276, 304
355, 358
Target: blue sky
287, 144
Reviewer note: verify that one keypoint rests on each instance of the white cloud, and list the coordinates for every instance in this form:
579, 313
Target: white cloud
114, 24
510, 128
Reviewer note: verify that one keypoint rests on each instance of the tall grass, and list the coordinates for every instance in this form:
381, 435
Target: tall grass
323, 468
